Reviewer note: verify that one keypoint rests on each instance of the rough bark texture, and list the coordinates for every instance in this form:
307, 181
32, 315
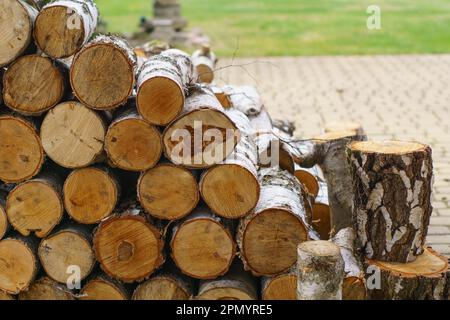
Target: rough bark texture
268, 237
245, 99
320, 270
16, 22
204, 61
202, 246
46, 289
392, 203
354, 286
113, 59
63, 27
203, 135
426, 278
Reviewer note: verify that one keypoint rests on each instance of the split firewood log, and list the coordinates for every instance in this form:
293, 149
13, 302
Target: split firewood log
392, 202
203, 135
162, 83
16, 22
63, 27
320, 271
102, 287
91, 194
19, 264
36, 206
21, 151
73, 135
102, 73
269, 236
204, 61
281, 287
33, 84
46, 289
354, 286
202, 246
168, 191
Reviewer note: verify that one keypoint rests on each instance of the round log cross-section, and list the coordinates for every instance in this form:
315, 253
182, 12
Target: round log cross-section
162, 287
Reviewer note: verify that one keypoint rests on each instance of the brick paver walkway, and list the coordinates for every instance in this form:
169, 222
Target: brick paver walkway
393, 97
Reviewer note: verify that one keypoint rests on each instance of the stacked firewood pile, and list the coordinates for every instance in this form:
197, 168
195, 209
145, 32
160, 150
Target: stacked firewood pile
126, 174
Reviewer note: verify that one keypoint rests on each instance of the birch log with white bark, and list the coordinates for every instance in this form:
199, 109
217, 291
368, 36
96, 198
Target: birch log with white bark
320, 271
103, 71
16, 24
392, 202
268, 237
244, 98
204, 61
63, 27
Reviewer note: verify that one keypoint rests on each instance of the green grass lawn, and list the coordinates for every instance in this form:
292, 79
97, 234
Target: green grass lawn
303, 27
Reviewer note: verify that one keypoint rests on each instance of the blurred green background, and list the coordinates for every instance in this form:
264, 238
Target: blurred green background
302, 27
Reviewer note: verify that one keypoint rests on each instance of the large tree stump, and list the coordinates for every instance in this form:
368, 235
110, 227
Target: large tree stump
133, 144
90, 194
102, 287
36, 206
423, 279
21, 152
354, 286
162, 82
320, 271
231, 189
68, 246
168, 192
16, 22
204, 61
128, 247
102, 73
63, 27
268, 237
73, 135
18, 264
33, 84
165, 286
392, 203
203, 135
46, 289
202, 247
281, 287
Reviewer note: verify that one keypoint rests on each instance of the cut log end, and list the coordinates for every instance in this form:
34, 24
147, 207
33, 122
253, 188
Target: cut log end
308, 180
133, 144
63, 249
344, 126
102, 289
5, 297
321, 217
283, 287
18, 266
32, 85
160, 100
205, 73
73, 135
202, 248
230, 190
21, 152
46, 289
226, 293
354, 288
3, 222
128, 248
59, 32
168, 192
335, 135
161, 288
35, 207
388, 147
90, 195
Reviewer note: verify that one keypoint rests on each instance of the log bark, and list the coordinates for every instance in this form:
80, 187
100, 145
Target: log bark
354, 285
73, 135
36, 206
320, 271
245, 99
237, 284
70, 245
102, 287
268, 237
33, 84
132, 143
231, 189
16, 22
423, 279
165, 286
19, 264
202, 246
21, 151
321, 213
128, 246
281, 287
102, 73
392, 205
46, 289
203, 135
162, 83
168, 191
91, 194
204, 61
63, 27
